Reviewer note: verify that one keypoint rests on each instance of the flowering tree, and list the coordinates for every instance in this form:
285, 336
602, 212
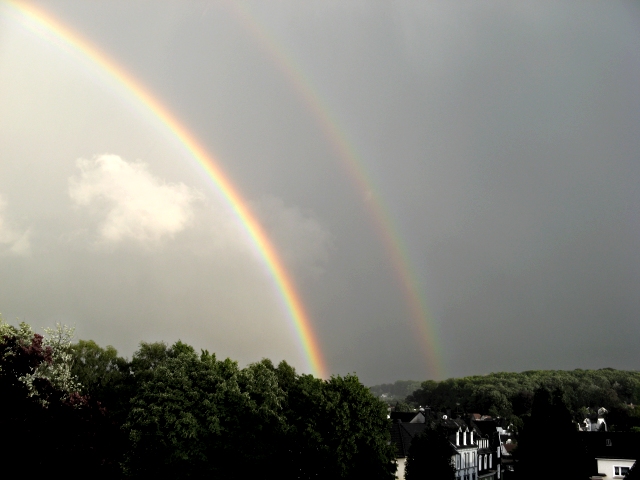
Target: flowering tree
49, 358
44, 417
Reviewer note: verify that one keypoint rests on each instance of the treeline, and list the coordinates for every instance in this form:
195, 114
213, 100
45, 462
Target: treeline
510, 395
171, 412
396, 391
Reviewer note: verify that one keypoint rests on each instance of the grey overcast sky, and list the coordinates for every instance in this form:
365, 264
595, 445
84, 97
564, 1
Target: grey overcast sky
501, 138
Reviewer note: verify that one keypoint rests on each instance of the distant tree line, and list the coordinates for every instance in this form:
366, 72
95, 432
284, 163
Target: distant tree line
511, 395
170, 412
397, 391
549, 404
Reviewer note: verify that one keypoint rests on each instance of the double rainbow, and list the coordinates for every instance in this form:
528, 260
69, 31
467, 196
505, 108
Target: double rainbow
44, 25
423, 323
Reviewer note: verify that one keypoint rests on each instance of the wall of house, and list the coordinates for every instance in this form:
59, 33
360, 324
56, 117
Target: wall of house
466, 466
401, 462
605, 465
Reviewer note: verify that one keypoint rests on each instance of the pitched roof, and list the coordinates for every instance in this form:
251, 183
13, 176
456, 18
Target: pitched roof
612, 444
403, 416
402, 434
454, 424
487, 427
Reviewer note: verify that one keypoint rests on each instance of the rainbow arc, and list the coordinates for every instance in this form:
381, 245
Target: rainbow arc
44, 25
423, 322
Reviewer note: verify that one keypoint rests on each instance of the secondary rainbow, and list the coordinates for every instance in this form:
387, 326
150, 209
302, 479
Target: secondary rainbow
45, 25
423, 323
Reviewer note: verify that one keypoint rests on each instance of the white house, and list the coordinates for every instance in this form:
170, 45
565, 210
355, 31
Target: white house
614, 452
613, 468
466, 456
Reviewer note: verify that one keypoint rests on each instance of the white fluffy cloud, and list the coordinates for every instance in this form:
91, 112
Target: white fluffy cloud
130, 202
12, 240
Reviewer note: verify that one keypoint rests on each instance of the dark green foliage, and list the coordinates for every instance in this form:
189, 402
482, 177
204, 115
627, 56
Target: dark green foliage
550, 434
624, 418
351, 415
149, 357
510, 395
399, 390
193, 416
334, 429
431, 456
190, 415
402, 407
103, 375
96, 368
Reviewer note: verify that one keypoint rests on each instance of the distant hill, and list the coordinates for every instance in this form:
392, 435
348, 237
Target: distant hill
397, 391
510, 395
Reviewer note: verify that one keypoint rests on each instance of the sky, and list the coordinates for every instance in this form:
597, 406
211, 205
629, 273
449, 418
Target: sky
452, 187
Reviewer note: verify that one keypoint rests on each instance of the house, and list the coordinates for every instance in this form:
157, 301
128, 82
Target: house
488, 445
506, 461
634, 473
479, 445
409, 417
613, 453
466, 456
495, 447
487, 466
405, 427
595, 423
402, 434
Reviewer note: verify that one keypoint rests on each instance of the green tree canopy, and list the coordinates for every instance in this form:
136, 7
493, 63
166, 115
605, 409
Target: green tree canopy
510, 395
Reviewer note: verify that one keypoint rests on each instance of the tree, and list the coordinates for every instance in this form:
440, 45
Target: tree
397, 391
431, 456
96, 368
360, 436
402, 407
337, 429
195, 416
103, 376
174, 416
550, 424
44, 419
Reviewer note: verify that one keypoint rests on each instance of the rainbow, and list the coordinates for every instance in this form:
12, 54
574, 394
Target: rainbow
44, 25
423, 323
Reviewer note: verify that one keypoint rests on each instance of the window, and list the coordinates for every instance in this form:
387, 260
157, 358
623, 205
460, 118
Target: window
620, 471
